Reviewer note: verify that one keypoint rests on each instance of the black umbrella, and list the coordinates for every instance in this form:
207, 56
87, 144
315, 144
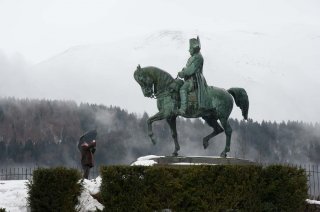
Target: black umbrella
88, 136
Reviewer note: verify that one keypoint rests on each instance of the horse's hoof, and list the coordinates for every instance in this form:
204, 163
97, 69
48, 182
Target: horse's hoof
223, 154
205, 144
175, 154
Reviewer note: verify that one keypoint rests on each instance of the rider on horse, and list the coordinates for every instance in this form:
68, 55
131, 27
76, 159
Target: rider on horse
213, 104
193, 77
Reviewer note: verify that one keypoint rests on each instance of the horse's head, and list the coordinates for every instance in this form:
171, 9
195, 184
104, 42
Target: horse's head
144, 80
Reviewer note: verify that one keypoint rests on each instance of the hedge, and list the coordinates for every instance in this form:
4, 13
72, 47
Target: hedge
285, 188
203, 188
54, 189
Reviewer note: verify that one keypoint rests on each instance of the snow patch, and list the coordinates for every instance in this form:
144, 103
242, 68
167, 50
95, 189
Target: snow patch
313, 202
86, 201
146, 160
13, 195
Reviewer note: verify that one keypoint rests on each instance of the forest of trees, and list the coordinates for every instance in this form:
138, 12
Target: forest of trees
45, 132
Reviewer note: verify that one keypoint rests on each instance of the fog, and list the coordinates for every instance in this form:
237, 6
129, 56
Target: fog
86, 51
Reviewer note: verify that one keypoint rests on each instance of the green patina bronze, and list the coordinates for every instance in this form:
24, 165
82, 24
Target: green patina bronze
191, 98
192, 74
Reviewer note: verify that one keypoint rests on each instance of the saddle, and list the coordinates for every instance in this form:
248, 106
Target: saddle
174, 88
175, 85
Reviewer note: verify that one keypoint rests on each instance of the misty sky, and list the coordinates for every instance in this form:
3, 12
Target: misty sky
262, 43
39, 29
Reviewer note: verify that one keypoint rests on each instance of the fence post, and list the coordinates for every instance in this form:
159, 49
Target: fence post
309, 180
318, 182
315, 180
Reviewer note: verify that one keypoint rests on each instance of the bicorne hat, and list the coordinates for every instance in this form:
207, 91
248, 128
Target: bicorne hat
195, 43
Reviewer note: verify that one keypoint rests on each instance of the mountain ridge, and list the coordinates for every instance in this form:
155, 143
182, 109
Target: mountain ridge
277, 76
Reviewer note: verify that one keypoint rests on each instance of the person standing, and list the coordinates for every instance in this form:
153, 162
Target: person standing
87, 147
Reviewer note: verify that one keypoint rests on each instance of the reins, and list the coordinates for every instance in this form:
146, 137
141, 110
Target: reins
160, 95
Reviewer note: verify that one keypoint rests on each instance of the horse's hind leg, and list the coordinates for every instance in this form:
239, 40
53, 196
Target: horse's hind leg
216, 130
228, 131
172, 123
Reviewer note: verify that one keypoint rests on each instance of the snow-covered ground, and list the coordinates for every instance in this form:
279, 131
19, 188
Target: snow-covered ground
86, 201
13, 194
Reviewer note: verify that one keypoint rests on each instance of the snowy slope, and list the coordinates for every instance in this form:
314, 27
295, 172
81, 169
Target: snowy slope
277, 68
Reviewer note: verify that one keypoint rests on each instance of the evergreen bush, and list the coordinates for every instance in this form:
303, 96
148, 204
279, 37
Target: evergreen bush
203, 188
285, 188
54, 189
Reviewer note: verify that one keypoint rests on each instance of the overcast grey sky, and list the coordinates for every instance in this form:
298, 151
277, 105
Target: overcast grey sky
269, 47
38, 29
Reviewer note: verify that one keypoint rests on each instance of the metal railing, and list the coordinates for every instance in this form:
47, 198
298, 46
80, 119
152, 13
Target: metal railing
313, 175
25, 173
16, 173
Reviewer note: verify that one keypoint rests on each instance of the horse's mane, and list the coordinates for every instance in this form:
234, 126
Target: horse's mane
156, 69
162, 79
152, 69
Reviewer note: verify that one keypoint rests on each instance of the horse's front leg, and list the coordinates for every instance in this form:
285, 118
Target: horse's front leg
172, 123
158, 116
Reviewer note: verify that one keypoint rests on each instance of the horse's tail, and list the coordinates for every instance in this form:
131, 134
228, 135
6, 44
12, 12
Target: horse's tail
241, 98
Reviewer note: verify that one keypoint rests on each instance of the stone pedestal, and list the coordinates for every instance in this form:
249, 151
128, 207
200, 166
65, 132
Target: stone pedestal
198, 160
190, 160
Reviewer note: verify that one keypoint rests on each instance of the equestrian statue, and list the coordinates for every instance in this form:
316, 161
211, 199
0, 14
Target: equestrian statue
190, 98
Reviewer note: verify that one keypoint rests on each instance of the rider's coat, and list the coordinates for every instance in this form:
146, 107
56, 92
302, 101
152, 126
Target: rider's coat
193, 76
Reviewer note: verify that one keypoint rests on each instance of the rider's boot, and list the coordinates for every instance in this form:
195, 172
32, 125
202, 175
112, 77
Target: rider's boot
184, 103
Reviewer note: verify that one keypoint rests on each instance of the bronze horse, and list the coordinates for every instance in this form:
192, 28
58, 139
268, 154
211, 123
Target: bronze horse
161, 85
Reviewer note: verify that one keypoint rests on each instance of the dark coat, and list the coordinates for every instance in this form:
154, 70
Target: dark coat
87, 149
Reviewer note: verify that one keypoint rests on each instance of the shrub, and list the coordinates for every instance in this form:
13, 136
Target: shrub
54, 189
203, 188
285, 188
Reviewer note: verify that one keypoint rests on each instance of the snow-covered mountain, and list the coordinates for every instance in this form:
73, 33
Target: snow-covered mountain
278, 68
